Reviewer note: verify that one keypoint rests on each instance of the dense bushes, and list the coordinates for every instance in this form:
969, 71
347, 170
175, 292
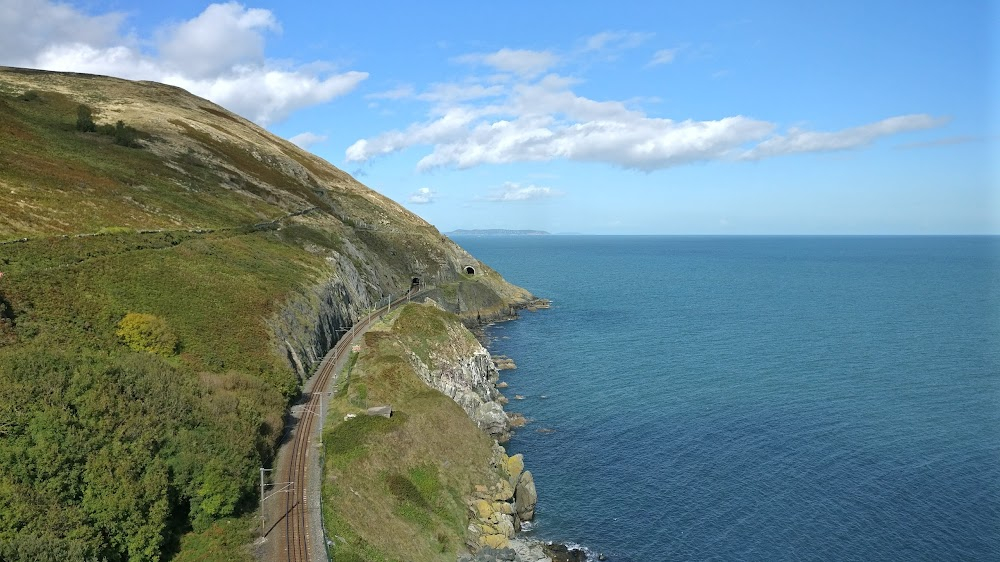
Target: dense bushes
115, 452
84, 469
104, 454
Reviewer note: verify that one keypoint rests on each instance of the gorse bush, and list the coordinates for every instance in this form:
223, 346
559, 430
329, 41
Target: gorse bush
146, 332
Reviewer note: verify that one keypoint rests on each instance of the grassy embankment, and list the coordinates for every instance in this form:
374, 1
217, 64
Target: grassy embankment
108, 453
395, 489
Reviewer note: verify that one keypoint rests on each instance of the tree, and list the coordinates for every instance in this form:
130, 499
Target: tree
85, 119
125, 135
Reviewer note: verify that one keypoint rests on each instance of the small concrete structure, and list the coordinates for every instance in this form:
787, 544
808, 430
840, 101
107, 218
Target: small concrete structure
384, 411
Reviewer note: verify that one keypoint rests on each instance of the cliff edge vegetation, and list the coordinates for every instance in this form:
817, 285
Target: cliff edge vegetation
162, 299
430, 482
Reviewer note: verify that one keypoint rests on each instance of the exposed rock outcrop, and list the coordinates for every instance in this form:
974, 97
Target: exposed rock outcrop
563, 553
311, 321
503, 362
470, 380
498, 510
526, 497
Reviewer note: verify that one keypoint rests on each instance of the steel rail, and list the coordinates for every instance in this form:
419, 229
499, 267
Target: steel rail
296, 537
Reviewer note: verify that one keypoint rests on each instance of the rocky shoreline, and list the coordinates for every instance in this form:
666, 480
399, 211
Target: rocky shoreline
523, 549
465, 371
497, 513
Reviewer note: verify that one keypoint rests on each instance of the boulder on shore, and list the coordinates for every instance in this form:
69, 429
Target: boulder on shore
562, 553
525, 497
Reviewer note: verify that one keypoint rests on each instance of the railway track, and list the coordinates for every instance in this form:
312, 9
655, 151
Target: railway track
296, 536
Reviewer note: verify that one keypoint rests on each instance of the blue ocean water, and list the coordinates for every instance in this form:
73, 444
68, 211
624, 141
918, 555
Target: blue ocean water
759, 398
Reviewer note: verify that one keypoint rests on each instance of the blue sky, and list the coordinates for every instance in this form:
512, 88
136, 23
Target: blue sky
617, 118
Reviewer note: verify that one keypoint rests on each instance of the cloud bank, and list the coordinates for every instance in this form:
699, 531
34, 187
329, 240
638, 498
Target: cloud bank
218, 54
663, 56
532, 115
307, 139
512, 192
518, 61
423, 196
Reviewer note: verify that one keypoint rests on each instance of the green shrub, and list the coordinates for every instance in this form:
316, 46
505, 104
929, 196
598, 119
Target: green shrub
85, 119
125, 135
146, 332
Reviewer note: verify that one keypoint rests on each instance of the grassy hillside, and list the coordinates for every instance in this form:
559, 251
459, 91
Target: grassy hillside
395, 489
142, 383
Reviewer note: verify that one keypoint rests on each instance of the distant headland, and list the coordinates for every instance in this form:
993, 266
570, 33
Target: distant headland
496, 232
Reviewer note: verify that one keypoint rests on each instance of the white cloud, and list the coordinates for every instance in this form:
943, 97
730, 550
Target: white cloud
453, 93
641, 143
519, 61
663, 56
516, 192
797, 140
121, 61
398, 93
449, 127
268, 95
28, 27
218, 39
543, 119
423, 196
615, 40
307, 139
219, 54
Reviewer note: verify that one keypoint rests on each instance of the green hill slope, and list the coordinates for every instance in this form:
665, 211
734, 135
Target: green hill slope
161, 303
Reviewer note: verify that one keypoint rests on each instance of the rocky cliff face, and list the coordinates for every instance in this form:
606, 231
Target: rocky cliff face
463, 370
311, 321
496, 512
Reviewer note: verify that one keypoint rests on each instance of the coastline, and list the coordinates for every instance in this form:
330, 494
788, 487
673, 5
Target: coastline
521, 547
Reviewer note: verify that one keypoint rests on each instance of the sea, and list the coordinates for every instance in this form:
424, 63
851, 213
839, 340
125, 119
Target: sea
758, 398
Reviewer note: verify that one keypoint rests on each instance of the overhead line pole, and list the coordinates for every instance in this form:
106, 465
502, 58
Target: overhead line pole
263, 517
